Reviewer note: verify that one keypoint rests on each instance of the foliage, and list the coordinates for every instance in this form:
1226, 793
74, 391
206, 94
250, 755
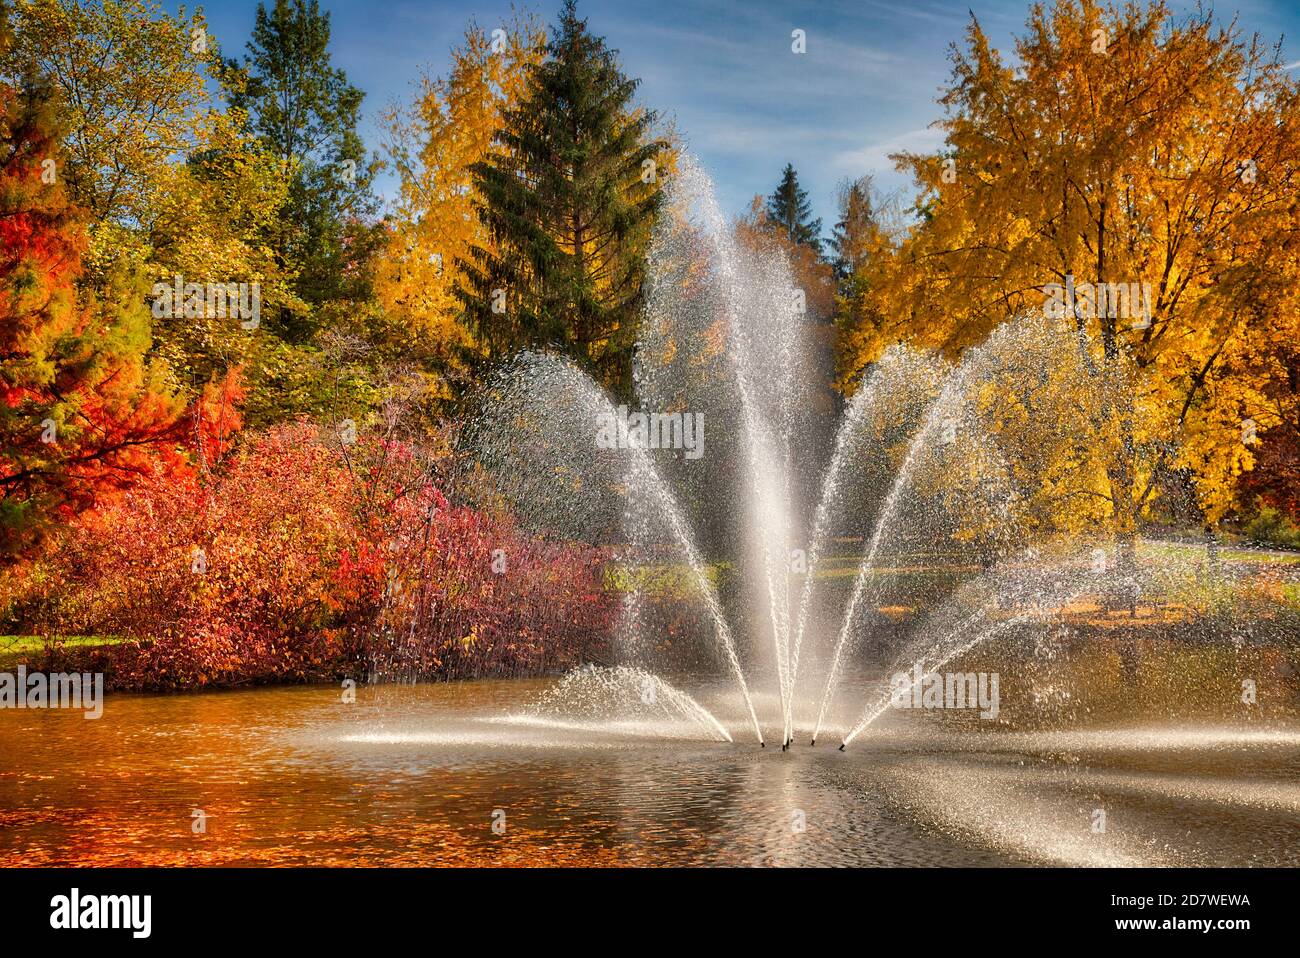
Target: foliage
136, 83
82, 411
850, 240
301, 557
172, 184
434, 146
305, 113
1275, 477
1157, 152
1269, 526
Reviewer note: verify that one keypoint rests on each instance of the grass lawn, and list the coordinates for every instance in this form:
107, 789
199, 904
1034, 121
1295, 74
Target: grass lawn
1180, 550
15, 648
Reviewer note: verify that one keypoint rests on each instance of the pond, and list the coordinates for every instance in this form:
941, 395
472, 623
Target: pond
465, 774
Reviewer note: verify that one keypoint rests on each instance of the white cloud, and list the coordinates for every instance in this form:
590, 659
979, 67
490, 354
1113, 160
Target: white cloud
874, 157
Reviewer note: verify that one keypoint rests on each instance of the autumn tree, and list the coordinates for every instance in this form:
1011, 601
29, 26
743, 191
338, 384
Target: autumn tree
1137, 174
853, 231
144, 133
569, 195
171, 183
869, 221
434, 146
82, 411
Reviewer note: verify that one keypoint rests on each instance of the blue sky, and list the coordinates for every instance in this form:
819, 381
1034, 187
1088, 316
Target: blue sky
724, 71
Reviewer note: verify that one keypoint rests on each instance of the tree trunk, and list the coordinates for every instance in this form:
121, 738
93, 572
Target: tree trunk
1123, 481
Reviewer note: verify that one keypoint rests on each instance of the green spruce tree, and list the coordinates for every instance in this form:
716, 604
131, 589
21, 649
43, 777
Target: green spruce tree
569, 196
307, 113
789, 211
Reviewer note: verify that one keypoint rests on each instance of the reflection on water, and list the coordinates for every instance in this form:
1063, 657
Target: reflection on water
412, 775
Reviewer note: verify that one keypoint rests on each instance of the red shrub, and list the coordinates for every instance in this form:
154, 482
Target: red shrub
294, 561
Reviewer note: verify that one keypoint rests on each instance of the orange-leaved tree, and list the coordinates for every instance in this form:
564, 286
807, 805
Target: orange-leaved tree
82, 411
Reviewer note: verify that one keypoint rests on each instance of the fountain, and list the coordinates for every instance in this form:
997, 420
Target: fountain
733, 595
894, 581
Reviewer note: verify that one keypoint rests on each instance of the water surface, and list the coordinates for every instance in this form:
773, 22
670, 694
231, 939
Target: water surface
417, 775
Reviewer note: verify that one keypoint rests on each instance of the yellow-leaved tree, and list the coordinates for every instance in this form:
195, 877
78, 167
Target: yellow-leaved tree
1134, 175
433, 144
